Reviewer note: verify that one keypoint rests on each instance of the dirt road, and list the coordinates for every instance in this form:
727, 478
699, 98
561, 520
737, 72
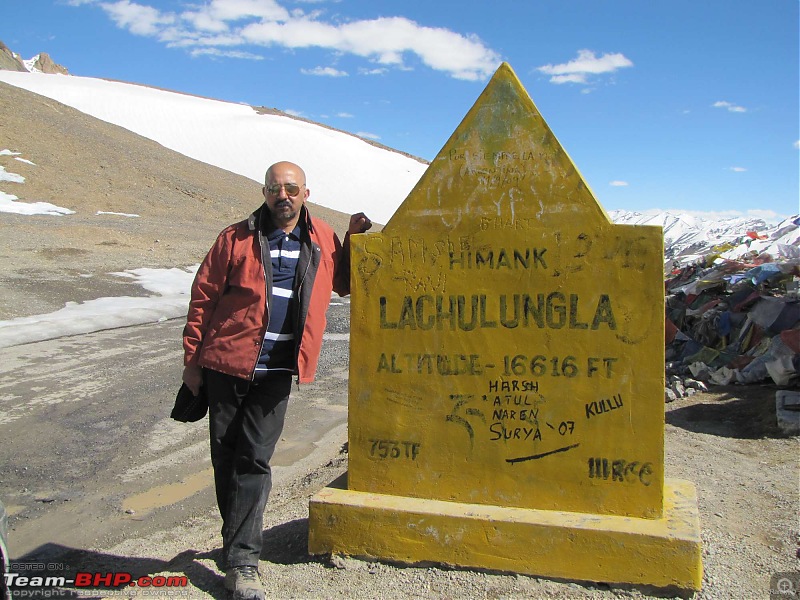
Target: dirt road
89, 456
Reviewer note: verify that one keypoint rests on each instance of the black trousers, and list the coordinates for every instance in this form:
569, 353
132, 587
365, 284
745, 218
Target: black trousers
245, 421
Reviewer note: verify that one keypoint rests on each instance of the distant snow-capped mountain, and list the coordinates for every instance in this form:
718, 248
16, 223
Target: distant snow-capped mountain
688, 238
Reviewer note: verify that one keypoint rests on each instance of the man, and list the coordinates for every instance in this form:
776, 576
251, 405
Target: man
256, 318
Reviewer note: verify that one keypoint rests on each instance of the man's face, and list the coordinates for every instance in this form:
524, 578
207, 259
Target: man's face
283, 206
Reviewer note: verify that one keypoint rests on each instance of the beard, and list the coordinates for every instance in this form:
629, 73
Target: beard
282, 212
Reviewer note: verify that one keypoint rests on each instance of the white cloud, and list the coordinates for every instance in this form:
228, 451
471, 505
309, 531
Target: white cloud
384, 40
137, 18
586, 64
387, 41
730, 106
205, 22
225, 53
618, 183
797, 145
217, 15
366, 134
379, 71
324, 72
767, 215
738, 169
176, 38
234, 10
573, 78
344, 115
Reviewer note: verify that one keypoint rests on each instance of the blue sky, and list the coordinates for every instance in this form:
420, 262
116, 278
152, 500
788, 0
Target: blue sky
688, 105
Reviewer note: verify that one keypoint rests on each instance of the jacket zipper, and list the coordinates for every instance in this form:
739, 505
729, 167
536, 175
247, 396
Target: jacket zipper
300, 309
266, 299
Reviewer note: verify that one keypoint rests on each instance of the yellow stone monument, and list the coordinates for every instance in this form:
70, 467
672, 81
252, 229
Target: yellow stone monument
506, 399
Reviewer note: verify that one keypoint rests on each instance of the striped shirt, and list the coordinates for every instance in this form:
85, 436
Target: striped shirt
277, 350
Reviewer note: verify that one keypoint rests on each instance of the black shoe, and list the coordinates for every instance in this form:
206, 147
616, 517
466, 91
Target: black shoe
243, 583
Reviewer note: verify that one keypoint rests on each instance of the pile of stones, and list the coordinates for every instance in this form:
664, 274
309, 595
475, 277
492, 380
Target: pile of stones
679, 383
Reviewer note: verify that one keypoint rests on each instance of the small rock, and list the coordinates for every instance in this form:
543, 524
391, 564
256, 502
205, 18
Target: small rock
696, 385
338, 561
669, 395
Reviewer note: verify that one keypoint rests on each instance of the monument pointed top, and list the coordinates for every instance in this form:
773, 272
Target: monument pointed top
502, 161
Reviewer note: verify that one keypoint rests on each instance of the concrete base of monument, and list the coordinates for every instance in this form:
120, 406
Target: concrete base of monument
662, 552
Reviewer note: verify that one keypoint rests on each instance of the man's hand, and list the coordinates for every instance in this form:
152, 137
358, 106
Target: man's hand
359, 223
193, 378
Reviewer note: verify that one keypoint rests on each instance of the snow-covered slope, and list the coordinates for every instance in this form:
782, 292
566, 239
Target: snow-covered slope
345, 173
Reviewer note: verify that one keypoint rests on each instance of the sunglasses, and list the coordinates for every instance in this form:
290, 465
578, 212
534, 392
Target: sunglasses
292, 189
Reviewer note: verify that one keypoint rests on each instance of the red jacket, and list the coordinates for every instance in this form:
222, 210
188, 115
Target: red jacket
229, 306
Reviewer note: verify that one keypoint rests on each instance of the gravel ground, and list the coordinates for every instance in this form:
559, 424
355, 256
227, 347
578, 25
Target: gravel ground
724, 441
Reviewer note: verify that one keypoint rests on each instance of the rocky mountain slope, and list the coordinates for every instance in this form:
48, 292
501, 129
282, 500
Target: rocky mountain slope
9, 61
41, 63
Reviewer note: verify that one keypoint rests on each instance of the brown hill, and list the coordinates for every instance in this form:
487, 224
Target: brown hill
45, 64
87, 165
8, 61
